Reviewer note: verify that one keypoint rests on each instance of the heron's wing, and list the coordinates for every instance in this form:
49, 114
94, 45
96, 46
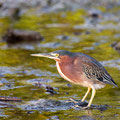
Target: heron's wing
94, 70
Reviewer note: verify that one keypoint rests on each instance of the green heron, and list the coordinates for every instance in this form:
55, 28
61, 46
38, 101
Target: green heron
80, 69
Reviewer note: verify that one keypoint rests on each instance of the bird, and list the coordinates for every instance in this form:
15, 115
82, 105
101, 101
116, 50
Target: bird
81, 69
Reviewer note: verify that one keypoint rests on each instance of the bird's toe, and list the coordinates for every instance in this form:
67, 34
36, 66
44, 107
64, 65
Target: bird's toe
72, 100
86, 108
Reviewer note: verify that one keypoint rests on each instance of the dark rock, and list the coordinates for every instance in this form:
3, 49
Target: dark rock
8, 85
94, 15
77, 33
55, 117
6, 98
50, 90
66, 93
38, 84
84, 117
15, 13
65, 37
69, 85
4, 105
14, 9
116, 46
15, 36
1, 5
30, 112
113, 44
87, 32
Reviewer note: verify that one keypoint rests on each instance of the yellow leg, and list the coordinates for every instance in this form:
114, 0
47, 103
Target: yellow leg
86, 94
92, 96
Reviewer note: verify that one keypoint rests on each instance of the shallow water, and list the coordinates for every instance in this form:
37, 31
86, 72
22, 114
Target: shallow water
71, 31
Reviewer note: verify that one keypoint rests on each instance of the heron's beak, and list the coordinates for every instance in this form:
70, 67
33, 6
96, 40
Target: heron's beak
47, 55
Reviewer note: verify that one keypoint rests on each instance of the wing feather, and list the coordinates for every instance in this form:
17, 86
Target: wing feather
94, 70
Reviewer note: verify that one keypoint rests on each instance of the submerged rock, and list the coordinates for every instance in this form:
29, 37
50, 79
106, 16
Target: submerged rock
6, 105
116, 46
6, 98
15, 36
48, 88
54, 105
85, 117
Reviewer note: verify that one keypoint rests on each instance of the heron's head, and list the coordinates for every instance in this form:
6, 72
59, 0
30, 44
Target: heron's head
56, 55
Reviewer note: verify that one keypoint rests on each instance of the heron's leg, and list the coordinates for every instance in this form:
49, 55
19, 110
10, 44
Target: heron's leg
86, 94
92, 96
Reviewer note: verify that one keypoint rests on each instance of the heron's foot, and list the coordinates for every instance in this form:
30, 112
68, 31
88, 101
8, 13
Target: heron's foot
81, 108
72, 100
76, 107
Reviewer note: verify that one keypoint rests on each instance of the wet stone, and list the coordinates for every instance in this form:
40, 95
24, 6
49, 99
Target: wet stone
77, 33
94, 15
63, 37
15, 36
84, 117
7, 98
54, 105
69, 85
87, 32
50, 90
116, 46
55, 117
4, 105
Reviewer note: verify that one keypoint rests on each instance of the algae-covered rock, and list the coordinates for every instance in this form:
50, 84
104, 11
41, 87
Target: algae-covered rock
54, 105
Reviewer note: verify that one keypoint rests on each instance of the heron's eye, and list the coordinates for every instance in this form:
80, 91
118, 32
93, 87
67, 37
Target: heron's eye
55, 54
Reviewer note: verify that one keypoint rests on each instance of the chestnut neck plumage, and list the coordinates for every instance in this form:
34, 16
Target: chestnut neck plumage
63, 64
64, 68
